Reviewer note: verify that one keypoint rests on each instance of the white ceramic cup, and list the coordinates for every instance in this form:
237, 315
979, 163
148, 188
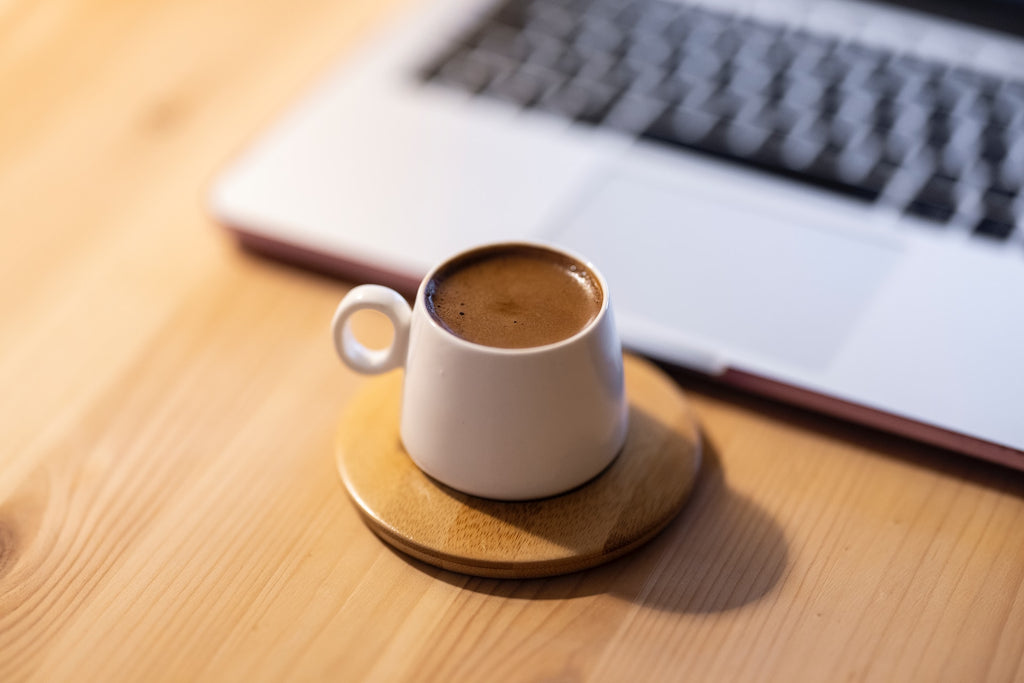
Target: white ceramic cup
510, 424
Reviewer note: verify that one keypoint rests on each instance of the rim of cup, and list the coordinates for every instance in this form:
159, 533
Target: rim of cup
494, 246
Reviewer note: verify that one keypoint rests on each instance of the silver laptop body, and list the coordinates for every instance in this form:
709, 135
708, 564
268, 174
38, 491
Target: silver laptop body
883, 302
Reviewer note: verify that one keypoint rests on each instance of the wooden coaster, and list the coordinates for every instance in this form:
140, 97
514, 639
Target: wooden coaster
617, 511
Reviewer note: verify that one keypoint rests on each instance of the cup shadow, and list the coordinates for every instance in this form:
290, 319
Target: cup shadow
721, 552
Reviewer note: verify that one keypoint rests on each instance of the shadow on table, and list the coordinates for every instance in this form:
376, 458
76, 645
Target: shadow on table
721, 552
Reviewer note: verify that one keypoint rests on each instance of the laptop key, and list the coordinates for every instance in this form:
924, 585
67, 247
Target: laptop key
503, 41
727, 43
430, 70
910, 119
731, 140
778, 56
863, 56
521, 87
828, 170
995, 229
598, 36
652, 53
856, 106
682, 126
909, 65
579, 99
552, 20
515, 14
608, 70
956, 160
653, 18
742, 138
1008, 177
723, 104
470, 70
750, 79
808, 47
677, 87
998, 220
885, 83
994, 144
569, 63
897, 147
831, 69
633, 113
799, 152
878, 177
802, 93
940, 129
700, 65
936, 200
778, 117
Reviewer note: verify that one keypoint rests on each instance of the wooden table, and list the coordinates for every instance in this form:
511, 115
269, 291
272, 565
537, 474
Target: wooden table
169, 508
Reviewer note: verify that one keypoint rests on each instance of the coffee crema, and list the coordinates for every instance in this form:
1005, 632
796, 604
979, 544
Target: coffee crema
514, 296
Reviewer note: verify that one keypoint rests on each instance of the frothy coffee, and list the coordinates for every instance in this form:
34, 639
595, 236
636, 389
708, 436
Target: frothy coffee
514, 296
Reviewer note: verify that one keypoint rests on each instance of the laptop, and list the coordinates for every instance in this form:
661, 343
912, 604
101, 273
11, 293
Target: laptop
816, 201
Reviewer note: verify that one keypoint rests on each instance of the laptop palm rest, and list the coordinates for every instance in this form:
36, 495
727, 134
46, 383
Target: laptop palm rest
694, 270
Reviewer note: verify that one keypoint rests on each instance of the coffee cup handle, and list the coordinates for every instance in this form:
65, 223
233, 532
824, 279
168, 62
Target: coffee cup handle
355, 355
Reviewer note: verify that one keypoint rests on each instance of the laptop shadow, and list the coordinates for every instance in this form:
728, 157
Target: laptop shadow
941, 461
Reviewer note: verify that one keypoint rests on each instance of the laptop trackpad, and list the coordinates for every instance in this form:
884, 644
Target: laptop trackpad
733, 279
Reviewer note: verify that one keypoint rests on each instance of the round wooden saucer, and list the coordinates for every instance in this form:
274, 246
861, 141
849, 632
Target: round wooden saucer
617, 511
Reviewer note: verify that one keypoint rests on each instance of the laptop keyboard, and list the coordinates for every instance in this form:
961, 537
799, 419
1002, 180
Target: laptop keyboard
943, 143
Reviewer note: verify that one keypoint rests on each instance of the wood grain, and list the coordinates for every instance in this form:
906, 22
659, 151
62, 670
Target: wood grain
169, 508
615, 513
